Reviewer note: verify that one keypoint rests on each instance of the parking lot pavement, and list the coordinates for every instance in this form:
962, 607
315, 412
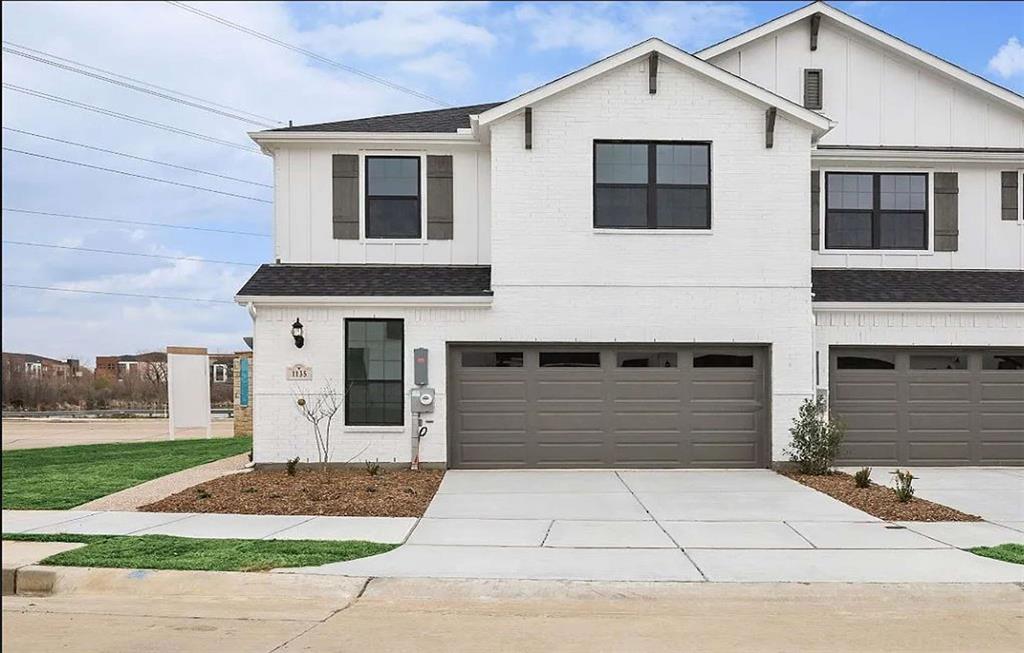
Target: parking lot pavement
32, 433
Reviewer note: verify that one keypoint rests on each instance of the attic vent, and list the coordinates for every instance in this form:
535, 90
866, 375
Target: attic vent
812, 88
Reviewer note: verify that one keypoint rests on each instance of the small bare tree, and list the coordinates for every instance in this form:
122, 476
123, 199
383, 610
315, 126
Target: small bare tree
320, 409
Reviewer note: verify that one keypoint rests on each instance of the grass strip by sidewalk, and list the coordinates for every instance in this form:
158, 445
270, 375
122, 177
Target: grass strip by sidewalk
59, 478
195, 554
1006, 552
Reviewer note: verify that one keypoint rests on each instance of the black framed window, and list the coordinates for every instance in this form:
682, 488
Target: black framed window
652, 185
374, 372
876, 210
393, 197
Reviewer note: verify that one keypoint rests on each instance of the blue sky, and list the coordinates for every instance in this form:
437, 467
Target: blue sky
463, 53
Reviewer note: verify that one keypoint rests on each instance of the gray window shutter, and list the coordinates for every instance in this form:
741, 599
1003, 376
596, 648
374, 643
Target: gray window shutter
947, 212
812, 88
345, 196
1010, 193
440, 202
815, 210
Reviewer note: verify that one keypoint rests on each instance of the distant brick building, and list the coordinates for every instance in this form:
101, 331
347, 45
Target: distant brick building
40, 366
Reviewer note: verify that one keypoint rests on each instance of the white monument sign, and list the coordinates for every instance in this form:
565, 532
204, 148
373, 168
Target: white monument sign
188, 388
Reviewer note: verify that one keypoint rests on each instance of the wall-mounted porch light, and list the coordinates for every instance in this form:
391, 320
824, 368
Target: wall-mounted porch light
297, 334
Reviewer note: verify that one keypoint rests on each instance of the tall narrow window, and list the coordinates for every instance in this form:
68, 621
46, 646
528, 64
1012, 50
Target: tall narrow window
650, 185
876, 211
812, 88
374, 373
393, 197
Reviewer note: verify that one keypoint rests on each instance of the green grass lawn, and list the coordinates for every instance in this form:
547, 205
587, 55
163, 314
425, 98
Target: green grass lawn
1006, 552
64, 477
167, 552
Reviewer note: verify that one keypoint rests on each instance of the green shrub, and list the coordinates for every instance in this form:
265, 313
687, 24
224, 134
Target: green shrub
816, 438
904, 489
372, 467
291, 465
862, 478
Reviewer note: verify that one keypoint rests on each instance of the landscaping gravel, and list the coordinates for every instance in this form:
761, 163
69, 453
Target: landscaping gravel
347, 492
879, 500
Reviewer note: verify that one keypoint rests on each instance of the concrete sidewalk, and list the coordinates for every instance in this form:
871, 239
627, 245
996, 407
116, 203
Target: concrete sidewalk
386, 530
35, 433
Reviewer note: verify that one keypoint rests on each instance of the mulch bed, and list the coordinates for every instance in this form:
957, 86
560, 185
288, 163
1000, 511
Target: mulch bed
879, 500
351, 492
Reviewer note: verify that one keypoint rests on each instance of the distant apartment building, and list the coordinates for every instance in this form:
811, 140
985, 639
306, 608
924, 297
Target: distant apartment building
121, 367
40, 366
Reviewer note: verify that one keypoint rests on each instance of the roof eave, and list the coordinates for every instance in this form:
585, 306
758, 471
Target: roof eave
434, 301
820, 124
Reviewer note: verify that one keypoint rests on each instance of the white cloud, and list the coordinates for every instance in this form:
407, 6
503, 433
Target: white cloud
600, 28
1008, 61
444, 66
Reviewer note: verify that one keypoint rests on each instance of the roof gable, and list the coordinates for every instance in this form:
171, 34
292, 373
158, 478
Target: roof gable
874, 34
819, 123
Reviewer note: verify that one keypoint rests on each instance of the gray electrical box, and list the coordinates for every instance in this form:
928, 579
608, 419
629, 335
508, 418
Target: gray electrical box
419, 367
422, 399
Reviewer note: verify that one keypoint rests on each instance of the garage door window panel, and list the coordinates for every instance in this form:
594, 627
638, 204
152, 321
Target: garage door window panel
723, 360
867, 362
666, 359
938, 362
492, 359
876, 211
570, 359
374, 372
1000, 362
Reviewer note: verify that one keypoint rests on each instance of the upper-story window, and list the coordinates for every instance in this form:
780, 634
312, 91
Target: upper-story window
393, 197
876, 211
652, 185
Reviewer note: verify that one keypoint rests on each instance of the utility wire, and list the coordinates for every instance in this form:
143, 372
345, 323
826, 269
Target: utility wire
310, 54
117, 294
137, 176
134, 87
139, 81
123, 253
137, 222
137, 158
124, 116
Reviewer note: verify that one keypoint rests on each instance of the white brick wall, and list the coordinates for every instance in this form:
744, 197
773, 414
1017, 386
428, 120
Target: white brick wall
557, 280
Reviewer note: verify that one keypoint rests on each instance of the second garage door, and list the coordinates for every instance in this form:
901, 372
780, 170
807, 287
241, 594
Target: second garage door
925, 406
557, 406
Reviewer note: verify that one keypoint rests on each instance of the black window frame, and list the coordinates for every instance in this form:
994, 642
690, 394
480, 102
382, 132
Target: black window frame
876, 211
349, 383
367, 197
652, 184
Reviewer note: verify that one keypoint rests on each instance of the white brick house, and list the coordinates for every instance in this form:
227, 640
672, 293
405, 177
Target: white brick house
654, 260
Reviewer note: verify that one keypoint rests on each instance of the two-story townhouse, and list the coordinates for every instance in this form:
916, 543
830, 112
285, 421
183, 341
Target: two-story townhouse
617, 269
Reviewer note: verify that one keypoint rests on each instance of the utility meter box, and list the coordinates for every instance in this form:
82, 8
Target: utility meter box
422, 399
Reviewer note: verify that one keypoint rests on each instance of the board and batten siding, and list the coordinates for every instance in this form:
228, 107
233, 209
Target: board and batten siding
877, 96
303, 222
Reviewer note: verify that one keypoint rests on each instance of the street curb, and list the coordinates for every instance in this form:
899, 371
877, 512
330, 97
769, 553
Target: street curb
29, 580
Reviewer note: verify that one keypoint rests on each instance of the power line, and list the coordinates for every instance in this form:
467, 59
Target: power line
138, 222
137, 176
117, 294
134, 87
137, 158
139, 81
125, 116
123, 253
310, 54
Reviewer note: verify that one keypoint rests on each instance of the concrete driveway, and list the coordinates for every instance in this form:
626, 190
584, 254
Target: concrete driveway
678, 525
994, 493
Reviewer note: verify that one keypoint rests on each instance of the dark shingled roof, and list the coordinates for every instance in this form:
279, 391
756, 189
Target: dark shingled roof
981, 286
438, 121
369, 281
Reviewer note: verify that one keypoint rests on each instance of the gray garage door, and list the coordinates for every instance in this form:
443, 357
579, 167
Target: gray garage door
924, 406
607, 406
